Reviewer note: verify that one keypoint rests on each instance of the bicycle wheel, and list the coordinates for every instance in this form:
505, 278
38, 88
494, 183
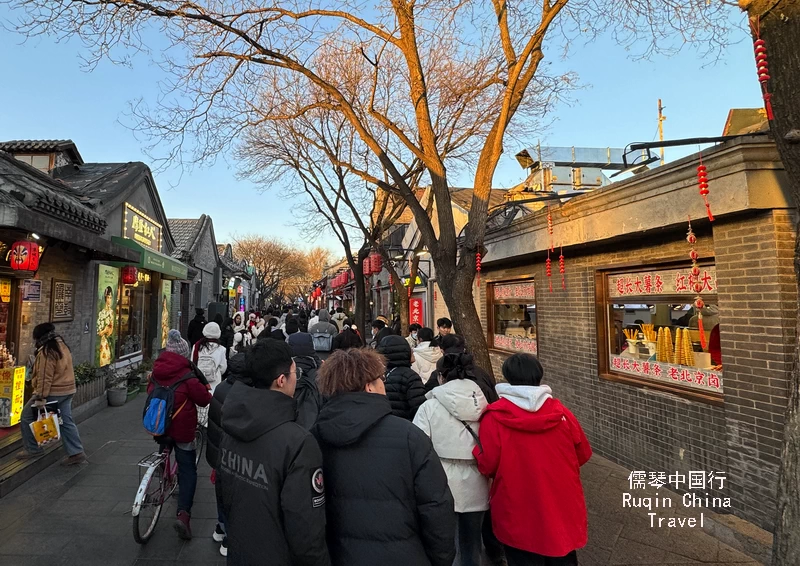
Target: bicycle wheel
150, 498
199, 442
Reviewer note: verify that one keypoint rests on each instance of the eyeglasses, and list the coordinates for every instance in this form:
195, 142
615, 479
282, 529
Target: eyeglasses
298, 372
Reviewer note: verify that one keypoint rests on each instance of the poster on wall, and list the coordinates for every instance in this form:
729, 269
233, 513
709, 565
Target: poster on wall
107, 286
166, 307
32, 291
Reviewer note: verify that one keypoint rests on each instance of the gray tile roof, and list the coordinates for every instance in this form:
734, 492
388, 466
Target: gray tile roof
42, 146
26, 186
103, 182
185, 232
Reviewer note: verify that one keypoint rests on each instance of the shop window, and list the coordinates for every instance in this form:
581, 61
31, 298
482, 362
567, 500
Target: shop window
133, 303
512, 316
655, 334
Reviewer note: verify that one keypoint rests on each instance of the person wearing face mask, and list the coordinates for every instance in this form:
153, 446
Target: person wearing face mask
412, 339
379, 332
388, 498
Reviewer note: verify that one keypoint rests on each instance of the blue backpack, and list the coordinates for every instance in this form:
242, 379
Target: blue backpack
159, 407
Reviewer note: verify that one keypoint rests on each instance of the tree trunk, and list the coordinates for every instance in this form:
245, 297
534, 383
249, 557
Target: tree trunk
456, 285
778, 24
359, 282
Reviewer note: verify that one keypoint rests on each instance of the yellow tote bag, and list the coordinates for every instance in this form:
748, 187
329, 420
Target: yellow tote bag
46, 429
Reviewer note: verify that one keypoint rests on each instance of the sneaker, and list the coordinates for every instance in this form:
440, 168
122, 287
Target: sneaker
223, 548
219, 533
74, 459
182, 526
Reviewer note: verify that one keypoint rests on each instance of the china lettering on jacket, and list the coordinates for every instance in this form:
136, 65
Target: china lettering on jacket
244, 468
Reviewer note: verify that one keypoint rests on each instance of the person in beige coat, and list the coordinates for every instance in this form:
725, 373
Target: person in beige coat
53, 382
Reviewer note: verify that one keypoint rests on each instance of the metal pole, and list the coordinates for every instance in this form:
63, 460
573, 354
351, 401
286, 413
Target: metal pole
661, 119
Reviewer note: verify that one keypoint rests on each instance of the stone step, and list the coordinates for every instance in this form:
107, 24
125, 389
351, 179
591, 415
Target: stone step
13, 472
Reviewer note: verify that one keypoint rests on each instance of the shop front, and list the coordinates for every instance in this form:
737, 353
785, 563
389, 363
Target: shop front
673, 349
134, 304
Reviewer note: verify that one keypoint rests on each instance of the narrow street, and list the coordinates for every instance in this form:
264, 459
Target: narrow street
80, 516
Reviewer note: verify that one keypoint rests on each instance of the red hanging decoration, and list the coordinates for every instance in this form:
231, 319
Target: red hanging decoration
391, 280
366, 266
762, 68
130, 275
702, 180
550, 227
24, 256
697, 284
561, 268
478, 267
409, 292
549, 270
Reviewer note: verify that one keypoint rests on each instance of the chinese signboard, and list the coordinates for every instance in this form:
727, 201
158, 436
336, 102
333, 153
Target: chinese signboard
12, 387
515, 343
416, 314
5, 290
166, 306
664, 282
32, 290
518, 291
62, 301
140, 228
694, 378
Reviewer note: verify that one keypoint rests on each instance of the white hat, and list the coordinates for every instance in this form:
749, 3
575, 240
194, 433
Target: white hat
212, 331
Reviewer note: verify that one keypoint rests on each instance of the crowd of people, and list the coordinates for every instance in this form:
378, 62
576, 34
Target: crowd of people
393, 450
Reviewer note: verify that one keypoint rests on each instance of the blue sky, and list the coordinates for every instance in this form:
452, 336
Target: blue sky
47, 95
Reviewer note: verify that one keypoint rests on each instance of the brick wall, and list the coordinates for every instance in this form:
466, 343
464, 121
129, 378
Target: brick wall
74, 266
644, 429
758, 302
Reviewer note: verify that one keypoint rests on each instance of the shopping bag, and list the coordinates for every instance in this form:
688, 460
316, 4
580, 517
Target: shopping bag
46, 429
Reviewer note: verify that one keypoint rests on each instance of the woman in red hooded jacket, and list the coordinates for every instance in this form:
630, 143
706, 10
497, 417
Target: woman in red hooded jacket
534, 447
172, 365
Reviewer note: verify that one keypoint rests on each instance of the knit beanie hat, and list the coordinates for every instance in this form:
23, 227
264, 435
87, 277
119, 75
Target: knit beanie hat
212, 331
176, 344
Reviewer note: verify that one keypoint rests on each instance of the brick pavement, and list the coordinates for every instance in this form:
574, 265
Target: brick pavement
81, 516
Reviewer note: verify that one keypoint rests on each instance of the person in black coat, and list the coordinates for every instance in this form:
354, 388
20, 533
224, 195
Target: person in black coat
234, 373
226, 339
404, 387
306, 396
196, 325
347, 338
388, 499
273, 493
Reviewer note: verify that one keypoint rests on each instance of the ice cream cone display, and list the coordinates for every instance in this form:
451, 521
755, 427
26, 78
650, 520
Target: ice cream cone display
677, 353
687, 351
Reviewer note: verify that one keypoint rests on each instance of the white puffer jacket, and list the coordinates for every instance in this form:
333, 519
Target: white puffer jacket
212, 362
425, 358
440, 418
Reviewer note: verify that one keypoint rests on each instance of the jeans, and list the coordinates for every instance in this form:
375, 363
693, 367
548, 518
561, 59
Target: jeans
517, 557
70, 438
469, 538
187, 477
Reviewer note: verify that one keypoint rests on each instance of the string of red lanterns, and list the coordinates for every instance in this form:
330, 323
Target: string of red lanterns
698, 285
702, 183
549, 270
762, 68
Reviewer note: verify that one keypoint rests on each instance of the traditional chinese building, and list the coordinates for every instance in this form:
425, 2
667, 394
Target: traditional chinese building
670, 367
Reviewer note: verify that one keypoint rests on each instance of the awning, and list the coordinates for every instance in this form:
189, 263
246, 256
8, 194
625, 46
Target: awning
153, 260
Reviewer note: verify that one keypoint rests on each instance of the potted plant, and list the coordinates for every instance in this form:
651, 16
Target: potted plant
116, 382
145, 370
132, 382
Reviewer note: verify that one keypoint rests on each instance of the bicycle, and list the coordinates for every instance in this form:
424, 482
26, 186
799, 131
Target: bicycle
156, 486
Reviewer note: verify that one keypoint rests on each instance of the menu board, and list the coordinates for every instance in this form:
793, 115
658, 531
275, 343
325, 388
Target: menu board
62, 301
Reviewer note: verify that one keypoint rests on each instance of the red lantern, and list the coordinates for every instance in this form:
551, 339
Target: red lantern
130, 275
549, 270
366, 267
376, 263
561, 268
478, 267
702, 181
24, 256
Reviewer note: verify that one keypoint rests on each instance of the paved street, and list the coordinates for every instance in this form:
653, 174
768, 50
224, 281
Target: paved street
81, 516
